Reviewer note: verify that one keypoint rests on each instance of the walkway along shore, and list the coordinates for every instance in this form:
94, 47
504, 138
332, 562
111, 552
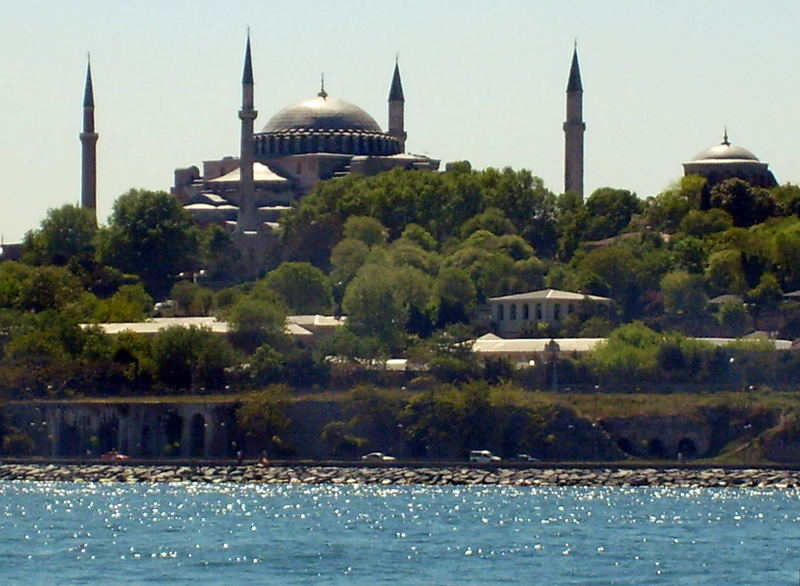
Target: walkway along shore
396, 475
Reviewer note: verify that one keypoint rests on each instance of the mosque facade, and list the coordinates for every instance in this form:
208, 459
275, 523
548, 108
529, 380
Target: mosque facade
325, 137
318, 138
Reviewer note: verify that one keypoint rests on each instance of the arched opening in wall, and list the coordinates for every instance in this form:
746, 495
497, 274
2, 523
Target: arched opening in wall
655, 448
145, 449
173, 432
107, 435
69, 441
198, 436
625, 445
687, 447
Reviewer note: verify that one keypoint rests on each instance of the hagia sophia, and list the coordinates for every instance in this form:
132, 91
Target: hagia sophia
315, 139
324, 137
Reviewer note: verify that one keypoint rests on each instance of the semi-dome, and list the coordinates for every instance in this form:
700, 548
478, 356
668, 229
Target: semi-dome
322, 113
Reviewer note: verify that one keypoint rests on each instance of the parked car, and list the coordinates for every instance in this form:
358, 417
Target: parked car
525, 458
483, 457
378, 457
112, 455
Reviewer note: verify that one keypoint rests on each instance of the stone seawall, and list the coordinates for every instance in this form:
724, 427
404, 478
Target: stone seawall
395, 475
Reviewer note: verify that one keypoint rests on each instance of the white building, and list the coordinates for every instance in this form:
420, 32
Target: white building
513, 314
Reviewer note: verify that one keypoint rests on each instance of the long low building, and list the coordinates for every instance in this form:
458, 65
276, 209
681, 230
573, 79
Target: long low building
304, 328
529, 351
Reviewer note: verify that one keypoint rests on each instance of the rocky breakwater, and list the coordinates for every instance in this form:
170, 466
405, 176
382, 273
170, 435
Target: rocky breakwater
395, 475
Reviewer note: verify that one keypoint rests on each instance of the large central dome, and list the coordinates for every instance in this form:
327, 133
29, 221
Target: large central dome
322, 113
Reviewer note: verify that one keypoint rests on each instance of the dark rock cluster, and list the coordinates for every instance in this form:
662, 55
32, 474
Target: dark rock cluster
396, 475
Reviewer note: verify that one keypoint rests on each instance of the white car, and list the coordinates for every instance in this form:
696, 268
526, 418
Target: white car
483, 457
378, 457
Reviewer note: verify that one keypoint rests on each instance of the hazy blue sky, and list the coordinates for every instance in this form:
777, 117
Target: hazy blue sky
483, 81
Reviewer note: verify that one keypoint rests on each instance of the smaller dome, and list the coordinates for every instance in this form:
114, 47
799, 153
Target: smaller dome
726, 152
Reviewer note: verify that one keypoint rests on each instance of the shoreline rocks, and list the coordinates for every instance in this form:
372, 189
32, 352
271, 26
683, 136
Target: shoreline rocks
397, 475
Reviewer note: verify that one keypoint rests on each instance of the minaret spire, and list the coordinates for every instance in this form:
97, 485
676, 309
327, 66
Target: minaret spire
88, 146
247, 72
247, 219
397, 108
574, 127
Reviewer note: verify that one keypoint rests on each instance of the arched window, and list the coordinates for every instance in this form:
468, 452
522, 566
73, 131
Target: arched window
538, 311
513, 311
557, 311
500, 313
526, 314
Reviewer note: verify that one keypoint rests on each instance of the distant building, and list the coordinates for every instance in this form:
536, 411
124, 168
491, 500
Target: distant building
302, 144
527, 352
306, 329
512, 315
11, 251
726, 161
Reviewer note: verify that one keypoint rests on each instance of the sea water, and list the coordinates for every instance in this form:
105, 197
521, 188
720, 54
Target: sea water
81, 533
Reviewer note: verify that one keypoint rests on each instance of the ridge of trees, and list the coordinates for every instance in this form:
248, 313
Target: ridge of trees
410, 258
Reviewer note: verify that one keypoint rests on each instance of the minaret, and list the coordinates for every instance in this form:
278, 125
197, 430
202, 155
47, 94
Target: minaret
396, 109
247, 218
88, 147
574, 128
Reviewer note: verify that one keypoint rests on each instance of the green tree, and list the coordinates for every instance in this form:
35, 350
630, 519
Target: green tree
404, 253
262, 418
787, 197
302, 287
683, 293
573, 221
768, 291
255, 321
66, 233
266, 365
614, 271
490, 269
454, 296
629, 354
525, 201
130, 304
191, 358
746, 204
374, 307
347, 257
690, 252
492, 220
183, 294
369, 230
734, 317
40, 288
665, 211
610, 210
725, 273
150, 235
419, 236
702, 223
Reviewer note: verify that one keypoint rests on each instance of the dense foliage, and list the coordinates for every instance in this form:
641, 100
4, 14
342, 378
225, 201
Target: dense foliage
411, 259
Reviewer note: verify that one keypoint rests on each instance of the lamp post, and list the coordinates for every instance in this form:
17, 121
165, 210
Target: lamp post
552, 349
